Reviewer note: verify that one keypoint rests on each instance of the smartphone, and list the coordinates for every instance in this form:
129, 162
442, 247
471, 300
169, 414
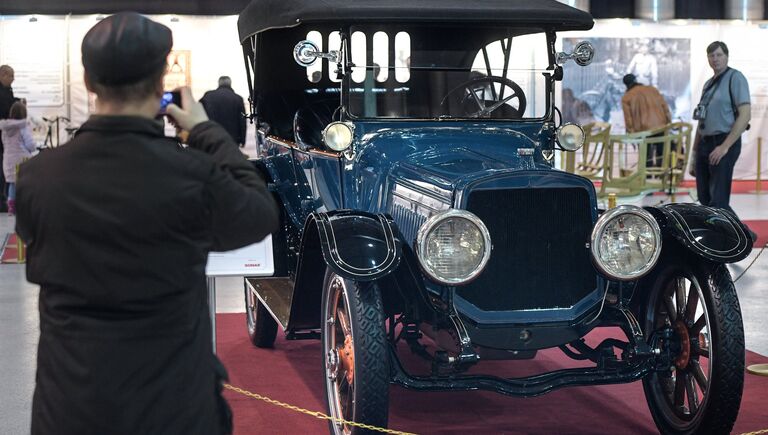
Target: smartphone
168, 98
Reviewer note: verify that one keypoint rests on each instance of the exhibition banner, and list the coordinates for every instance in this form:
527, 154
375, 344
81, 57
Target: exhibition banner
672, 57
45, 53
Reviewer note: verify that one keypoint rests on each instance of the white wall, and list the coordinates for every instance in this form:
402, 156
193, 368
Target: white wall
43, 50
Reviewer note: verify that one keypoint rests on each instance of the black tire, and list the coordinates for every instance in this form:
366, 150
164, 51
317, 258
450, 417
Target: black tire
701, 393
353, 311
262, 328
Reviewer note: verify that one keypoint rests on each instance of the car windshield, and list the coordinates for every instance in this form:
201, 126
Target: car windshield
443, 72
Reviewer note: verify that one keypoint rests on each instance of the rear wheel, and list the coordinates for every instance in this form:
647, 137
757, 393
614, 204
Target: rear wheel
262, 328
355, 356
701, 392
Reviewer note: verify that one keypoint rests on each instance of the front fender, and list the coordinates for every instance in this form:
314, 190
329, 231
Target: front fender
356, 245
711, 233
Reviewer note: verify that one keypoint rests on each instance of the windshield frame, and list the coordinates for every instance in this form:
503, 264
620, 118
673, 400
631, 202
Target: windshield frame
346, 85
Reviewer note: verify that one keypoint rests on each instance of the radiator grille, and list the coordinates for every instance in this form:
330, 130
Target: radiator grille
407, 221
539, 259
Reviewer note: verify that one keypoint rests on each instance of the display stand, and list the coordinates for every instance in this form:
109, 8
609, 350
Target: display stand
252, 260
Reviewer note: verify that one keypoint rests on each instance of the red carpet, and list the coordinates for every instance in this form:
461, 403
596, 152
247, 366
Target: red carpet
8, 253
737, 186
292, 373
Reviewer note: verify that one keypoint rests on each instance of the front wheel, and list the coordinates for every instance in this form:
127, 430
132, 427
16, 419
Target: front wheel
262, 328
701, 391
355, 356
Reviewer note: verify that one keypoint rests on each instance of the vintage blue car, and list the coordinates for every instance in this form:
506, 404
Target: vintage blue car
412, 145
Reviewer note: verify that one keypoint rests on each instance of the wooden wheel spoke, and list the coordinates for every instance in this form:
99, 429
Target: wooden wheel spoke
700, 322
693, 395
693, 302
341, 316
671, 312
702, 352
680, 296
348, 401
678, 398
699, 375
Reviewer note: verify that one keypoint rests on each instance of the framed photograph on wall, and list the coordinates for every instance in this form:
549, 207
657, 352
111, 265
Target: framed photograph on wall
179, 66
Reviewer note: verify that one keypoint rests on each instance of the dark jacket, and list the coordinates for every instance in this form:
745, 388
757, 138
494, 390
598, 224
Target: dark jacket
119, 222
6, 101
224, 106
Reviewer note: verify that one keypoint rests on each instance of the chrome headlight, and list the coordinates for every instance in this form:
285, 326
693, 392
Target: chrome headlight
338, 135
453, 247
570, 137
626, 242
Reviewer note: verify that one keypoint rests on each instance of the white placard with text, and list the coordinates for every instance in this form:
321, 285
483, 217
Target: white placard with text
251, 260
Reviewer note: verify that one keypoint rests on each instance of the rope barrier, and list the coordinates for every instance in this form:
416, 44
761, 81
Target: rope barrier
750, 264
757, 432
315, 414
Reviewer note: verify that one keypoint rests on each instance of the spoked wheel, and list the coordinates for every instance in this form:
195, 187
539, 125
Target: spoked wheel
262, 328
355, 355
701, 392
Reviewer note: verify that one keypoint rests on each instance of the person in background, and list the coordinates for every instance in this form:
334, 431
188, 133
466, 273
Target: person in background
723, 112
118, 224
18, 146
6, 101
644, 65
227, 108
645, 109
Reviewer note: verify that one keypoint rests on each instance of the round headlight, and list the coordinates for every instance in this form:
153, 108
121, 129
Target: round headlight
570, 137
626, 242
338, 135
453, 247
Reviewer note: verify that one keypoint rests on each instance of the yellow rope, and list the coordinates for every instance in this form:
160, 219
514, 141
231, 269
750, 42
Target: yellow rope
315, 414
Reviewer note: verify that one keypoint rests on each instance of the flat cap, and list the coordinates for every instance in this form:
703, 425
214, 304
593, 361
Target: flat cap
125, 48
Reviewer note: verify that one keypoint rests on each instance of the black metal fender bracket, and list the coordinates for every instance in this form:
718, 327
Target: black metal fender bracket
712, 233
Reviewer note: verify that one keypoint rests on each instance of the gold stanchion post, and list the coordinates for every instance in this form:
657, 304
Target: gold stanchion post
611, 200
21, 254
672, 176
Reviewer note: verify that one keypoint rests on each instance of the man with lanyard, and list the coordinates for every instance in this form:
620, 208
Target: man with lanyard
723, 114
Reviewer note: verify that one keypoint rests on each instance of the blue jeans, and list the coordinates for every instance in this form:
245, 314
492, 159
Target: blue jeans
713, 183
11, 191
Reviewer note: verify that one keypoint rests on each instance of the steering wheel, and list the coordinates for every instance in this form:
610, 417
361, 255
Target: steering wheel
478, 97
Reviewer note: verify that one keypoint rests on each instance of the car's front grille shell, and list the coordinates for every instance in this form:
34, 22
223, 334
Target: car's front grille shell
540, 257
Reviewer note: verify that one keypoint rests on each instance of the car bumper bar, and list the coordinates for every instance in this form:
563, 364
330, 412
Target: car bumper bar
623, 372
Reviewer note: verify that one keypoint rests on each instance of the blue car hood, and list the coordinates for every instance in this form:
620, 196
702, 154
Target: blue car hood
448, 156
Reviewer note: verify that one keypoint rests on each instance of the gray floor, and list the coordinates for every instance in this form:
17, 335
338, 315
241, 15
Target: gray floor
19, 319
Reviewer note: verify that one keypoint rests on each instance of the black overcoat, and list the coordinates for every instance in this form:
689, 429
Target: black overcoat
118, 223
227, 108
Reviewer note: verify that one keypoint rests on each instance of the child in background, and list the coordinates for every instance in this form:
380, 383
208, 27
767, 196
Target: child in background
19, 145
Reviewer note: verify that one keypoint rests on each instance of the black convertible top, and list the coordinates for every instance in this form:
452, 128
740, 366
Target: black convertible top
261, 15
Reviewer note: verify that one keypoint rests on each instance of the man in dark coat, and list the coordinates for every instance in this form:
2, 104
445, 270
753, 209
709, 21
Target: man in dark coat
119, 222
6, 101
224, 106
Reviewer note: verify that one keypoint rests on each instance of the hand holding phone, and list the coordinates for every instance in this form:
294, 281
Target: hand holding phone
168, 98
187, 114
